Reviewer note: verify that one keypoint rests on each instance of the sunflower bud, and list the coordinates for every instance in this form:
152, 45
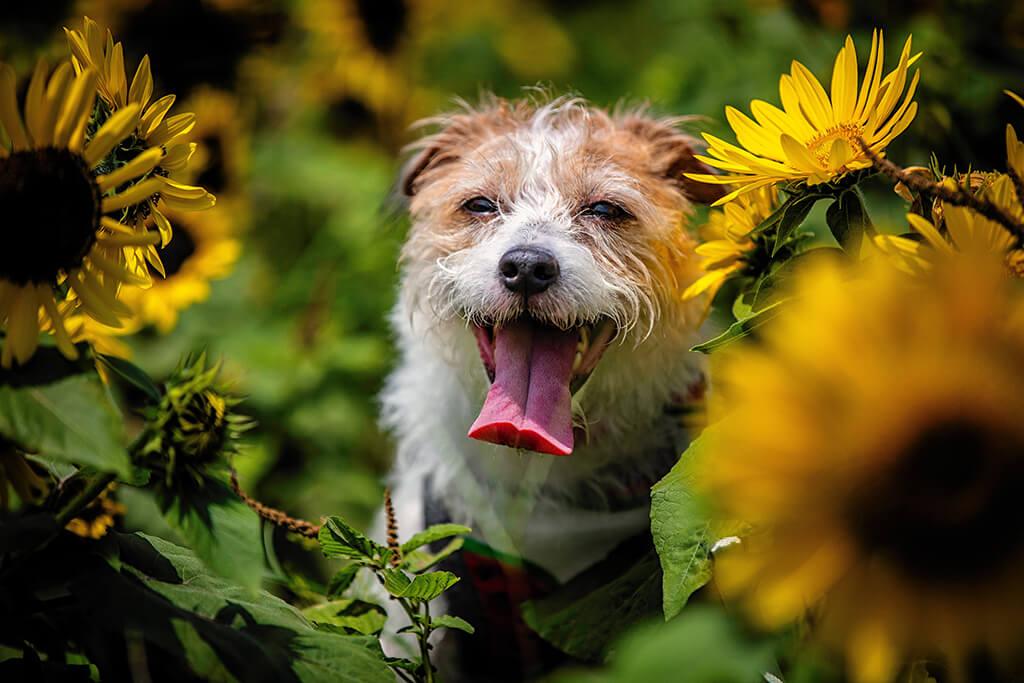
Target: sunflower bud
193, 429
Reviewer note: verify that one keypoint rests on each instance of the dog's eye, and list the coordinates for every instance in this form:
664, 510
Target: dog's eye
606, 210
480, 205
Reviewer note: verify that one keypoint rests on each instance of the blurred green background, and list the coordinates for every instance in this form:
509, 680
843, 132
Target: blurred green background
305, 106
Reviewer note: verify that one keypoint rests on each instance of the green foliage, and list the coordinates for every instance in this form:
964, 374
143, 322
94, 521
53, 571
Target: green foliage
70, 420
586, 615
703, 645
681, 531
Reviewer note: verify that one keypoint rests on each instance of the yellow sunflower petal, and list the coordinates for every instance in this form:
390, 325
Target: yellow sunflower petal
143, 163
117, 128
133, 195
77, 108
9, 116
60, 332
142, 84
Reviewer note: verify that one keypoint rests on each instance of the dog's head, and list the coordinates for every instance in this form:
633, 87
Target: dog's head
552, 229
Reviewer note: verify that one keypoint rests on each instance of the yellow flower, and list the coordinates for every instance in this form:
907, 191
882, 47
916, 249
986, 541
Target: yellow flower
1014, 147
873, 440
91, 49
727, 240
815, 136
965, 230
98, 516
203, 249
62, 200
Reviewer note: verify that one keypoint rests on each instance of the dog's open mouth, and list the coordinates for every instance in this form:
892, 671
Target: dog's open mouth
534, 370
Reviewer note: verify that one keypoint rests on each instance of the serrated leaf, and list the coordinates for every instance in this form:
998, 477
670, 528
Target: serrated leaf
452, 621
71, 420
132, 374
351, 616
740, 329
341, 539
681, 531
421, 587
434, 533
848, 220
419, 561
340, 582
221, 529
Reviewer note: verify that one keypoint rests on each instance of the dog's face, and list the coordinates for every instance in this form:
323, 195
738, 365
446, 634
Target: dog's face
553, 230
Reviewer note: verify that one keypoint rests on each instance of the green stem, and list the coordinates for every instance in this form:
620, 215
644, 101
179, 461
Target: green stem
424, 634
91, 491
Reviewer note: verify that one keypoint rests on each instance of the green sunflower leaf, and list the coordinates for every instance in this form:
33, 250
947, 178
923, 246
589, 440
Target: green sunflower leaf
419, 561
70, 420
349, 616
221, 529
132, 374
793, 216
679, 524
434, 533
740, 328
848, 220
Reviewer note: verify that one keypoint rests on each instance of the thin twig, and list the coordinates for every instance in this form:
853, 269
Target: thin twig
273, 515
956, 197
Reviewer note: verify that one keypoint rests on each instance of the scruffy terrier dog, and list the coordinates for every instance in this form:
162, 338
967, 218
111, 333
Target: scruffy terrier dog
544, 346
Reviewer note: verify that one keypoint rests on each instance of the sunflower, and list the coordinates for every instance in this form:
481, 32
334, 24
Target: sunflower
91, 49
1014, 147
204, 249
61, 192
883, 494
956, 229
98, 516
727, 241
815, 137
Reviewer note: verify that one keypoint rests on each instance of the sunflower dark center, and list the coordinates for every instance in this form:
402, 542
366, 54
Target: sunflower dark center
950, 509
52, 206
178, 251
384, 22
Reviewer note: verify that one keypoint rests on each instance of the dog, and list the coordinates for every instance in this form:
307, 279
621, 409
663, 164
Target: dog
543, 344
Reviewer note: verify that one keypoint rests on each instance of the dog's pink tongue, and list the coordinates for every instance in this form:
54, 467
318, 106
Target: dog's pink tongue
529, 404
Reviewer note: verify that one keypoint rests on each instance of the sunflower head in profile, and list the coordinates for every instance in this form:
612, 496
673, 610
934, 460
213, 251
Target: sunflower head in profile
64, 196
728, 245
884, 493
204, 249
95, 50
194, 428
951, 230
816, 136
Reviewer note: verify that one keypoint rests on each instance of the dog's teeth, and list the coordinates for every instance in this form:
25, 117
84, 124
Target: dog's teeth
577, 361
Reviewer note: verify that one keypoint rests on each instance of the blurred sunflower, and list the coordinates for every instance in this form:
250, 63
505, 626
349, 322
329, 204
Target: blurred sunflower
727, 244
98, 516
884, 493
815, 137
1014, 147
220, 159
57, 185
92, 49
204, 249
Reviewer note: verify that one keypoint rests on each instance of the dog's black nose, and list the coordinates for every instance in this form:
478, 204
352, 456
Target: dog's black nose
528, 270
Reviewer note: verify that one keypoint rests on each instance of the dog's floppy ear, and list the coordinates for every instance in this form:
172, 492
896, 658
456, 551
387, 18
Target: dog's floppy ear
425, 158
672, 153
